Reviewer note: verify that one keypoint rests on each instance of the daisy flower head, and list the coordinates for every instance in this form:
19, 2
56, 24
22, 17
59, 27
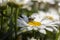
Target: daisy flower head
39, 25
28, 26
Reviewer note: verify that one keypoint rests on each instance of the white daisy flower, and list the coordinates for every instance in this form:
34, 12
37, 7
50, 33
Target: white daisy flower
49, 1
26, 3
28, 7
20, 2
39, 24
30, 25
53, 13
3, 2
52, 18
23, 2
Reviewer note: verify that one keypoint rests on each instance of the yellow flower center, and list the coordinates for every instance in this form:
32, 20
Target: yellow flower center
34, 23
49, 17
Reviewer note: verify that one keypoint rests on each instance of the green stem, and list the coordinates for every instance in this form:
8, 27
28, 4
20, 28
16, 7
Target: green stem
57, 35
15, 21
11, 26
34, 33
2, 21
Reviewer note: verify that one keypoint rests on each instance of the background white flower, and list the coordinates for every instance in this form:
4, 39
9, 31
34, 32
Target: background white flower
49, 1
28, 2
46, 1
21, 2
54, 13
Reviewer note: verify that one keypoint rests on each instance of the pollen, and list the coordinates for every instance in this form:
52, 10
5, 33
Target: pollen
34, 23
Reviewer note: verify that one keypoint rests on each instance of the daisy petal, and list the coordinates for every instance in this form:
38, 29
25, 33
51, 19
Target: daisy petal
29, 28
55, 28
42, 27
57, 22
41, 15
25, 18
21, 23
49, 29
46, 21
35, 28
42, 31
